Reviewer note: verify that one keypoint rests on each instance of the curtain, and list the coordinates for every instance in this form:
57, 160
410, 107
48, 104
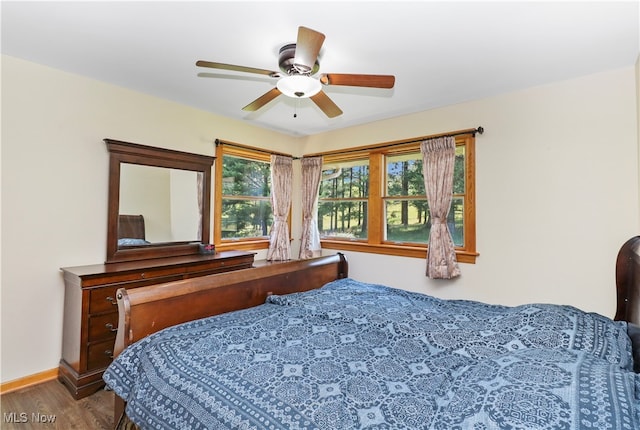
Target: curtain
311, 174
438, 158
281, 183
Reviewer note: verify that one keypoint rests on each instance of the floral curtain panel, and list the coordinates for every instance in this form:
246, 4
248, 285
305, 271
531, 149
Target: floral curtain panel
311, 175
281, 184
438, 159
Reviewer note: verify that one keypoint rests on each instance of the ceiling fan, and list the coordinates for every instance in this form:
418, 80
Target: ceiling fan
298, 63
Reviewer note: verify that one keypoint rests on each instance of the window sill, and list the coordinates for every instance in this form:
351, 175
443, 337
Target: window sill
243, 245
389, 249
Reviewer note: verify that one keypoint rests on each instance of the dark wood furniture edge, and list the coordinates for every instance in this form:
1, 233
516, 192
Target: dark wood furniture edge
628, 293
628, 281
145, 310
80, 386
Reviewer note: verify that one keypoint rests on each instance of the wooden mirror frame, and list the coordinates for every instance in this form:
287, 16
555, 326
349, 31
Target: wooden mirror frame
132, 153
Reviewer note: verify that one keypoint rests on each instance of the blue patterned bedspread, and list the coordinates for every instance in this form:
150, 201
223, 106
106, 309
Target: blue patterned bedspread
359, 356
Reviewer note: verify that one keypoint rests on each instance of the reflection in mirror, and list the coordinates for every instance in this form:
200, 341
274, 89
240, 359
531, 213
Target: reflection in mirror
167, 200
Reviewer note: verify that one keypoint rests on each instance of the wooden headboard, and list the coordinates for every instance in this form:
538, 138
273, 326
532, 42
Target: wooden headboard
145, 310
628, 290
131, 227
628, 281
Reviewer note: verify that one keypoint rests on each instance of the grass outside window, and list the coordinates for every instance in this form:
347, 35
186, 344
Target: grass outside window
373, 200
243, 213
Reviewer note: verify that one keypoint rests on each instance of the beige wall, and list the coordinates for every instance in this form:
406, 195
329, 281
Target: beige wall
557, 192
54, 194
572, 146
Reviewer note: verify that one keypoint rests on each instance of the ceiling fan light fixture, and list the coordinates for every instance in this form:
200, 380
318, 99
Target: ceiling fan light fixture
299, 86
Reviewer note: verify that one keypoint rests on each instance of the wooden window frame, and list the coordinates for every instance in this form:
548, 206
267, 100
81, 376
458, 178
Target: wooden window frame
235, 150
375, 242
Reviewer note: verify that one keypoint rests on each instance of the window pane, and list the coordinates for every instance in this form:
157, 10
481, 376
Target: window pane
246, 218
407, 221
342, 206
343, 219
404, 175
351, 182
242, 177
455, 221
416, 226
458, 171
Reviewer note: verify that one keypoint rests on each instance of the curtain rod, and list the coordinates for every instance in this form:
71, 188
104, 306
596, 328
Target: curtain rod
471, 131
252, 148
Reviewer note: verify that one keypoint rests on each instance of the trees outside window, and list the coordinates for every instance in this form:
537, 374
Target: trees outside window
405, 202
243, 212
374, 200
371, 199
342, 205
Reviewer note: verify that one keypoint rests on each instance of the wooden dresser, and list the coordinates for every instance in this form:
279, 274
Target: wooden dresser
91, 312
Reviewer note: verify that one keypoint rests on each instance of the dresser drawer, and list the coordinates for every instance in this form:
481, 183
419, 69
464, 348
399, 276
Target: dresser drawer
103, 299
100, 354
132, 277
103, 326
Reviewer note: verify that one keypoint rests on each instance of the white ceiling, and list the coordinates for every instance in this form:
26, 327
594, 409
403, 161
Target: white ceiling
441, 53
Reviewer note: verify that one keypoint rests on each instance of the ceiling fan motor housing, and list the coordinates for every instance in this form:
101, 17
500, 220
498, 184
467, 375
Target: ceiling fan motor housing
287, 65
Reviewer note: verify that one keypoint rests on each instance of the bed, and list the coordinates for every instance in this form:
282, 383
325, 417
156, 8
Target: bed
131, 230
315, 349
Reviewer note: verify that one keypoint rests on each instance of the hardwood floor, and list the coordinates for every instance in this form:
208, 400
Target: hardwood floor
50, 406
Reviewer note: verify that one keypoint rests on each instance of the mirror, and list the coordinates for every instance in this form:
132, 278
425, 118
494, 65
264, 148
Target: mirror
159, 202
167, 200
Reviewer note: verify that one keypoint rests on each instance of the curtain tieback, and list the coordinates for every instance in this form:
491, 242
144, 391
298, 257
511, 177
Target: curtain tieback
437, 220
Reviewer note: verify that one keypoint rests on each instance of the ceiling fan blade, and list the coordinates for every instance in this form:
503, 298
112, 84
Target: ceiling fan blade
373, 81
262, 100
307, 48
212, 65
326, 105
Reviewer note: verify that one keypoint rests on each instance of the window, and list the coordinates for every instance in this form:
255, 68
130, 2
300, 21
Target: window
243, 213
342, 207
373, 200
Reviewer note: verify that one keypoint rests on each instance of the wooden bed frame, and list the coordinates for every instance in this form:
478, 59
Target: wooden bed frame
145, 310
628, 281
628, 291
131, 227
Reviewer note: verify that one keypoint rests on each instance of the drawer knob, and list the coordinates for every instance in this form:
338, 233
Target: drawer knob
110, 327
112, 301
109, 353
